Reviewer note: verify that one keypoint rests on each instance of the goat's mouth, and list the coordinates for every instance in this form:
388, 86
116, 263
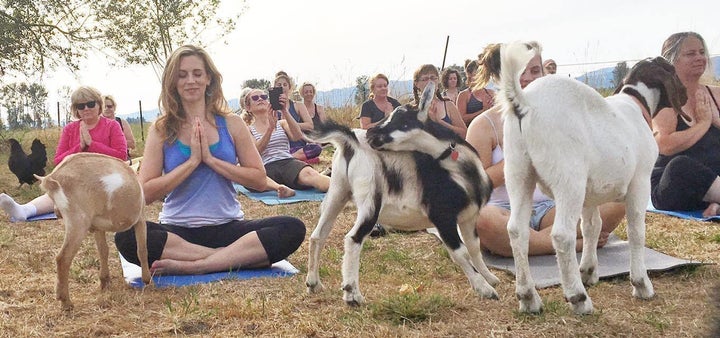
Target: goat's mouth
376, 142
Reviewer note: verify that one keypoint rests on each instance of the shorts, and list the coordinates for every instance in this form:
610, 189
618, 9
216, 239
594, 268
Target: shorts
286, 172
540, 209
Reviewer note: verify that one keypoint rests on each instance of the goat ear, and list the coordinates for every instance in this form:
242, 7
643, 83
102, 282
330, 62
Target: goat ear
676, 94
425, 101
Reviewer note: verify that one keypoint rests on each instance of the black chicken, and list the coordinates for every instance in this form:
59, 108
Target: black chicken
24, 166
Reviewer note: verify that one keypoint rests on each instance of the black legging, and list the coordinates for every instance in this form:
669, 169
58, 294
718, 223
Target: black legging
280, 236
682, 185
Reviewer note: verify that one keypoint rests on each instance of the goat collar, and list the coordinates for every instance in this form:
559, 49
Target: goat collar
647, 114
450, 151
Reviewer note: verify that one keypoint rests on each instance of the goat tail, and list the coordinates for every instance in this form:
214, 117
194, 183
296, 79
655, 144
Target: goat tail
331, 132
514, 58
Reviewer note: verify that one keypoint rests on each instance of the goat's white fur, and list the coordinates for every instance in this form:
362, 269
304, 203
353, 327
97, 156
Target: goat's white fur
118, 206
361, 178
583, 150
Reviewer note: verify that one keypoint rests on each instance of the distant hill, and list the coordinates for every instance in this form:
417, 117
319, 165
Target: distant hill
603, 78
341, 97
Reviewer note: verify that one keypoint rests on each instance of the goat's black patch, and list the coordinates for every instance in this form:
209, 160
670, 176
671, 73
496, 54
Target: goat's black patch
368, 223
442, 196
348, 154
393, 178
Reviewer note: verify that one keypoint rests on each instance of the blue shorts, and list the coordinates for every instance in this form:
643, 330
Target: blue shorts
539, 211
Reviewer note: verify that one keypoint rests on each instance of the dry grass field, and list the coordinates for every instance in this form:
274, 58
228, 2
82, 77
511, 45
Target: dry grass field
440, 304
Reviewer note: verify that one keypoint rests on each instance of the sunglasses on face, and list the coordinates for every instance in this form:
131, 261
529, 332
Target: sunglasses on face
259, 97
108, 106
81, 106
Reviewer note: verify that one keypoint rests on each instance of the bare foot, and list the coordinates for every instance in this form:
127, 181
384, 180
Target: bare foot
171, 267
284, 191
712, 210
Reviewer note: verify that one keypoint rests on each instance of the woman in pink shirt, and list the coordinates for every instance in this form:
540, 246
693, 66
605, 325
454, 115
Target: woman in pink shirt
90, 133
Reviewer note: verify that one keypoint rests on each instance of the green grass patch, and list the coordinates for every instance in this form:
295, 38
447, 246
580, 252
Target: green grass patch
410, 308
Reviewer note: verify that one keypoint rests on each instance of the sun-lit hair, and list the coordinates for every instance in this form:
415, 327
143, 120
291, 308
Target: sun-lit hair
85, 94
372, 82
490, 59
426, 69
172, 113
671, 47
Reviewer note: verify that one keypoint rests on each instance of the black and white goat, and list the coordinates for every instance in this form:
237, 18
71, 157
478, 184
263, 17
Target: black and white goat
408, 173
583, 150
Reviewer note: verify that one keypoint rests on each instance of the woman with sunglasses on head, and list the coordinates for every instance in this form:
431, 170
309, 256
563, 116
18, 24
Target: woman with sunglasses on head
91, 132
273, 131
194, 152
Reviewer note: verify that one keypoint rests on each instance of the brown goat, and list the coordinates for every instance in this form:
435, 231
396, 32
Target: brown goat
98, 193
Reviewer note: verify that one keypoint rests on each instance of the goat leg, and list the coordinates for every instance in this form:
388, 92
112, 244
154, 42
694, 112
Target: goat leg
102, 247
74, 234
590, 225
142, 253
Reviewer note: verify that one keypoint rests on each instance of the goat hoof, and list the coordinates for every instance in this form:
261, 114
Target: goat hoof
589, 276
530, 301
584, 307
489, 293
642, 288
314, 288
354, 299
492, 280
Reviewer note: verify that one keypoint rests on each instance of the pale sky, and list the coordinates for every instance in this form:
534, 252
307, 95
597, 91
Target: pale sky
332, 42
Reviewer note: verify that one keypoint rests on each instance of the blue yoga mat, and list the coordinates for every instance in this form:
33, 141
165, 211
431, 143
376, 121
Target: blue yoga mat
695, 215
271, 197
133, 275
42, 217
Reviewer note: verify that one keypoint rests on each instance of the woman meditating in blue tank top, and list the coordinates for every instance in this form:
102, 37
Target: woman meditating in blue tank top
194, 152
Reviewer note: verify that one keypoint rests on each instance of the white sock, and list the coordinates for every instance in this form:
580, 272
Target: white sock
17, 212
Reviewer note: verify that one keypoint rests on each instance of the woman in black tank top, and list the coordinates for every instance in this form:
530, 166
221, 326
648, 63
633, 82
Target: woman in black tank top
317, 112
109, 112
685, 176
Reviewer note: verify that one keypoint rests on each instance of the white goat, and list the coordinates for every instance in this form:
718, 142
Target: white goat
98, 193
418, 175
583, 150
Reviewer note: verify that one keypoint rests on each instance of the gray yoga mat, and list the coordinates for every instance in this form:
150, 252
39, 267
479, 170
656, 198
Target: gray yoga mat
613, 260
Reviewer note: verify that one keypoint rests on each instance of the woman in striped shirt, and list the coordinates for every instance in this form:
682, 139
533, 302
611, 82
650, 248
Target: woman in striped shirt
273, 131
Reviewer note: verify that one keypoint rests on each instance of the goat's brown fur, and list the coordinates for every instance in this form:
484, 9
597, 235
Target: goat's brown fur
97, 193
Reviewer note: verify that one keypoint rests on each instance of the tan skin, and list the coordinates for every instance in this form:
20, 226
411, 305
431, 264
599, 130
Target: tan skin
690, 66
180, 256
265, 122
439, 109
492, 223
487, 97
380, 90
308, 94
